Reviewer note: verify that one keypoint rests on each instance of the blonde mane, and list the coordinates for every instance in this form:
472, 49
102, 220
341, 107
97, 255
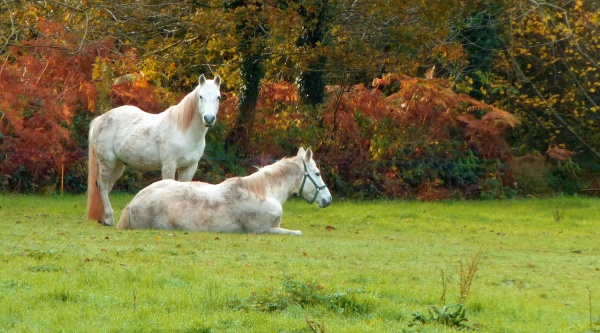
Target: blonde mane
271, 174
184, 112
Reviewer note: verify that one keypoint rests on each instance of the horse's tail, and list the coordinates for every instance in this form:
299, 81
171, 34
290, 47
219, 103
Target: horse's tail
95, 208
124, 220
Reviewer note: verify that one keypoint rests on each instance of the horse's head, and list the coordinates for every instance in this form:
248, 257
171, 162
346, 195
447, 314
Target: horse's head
313, 187
208, 99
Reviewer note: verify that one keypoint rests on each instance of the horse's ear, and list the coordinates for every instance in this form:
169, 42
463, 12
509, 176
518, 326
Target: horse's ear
201, 79
301, 152
308, 156
218, 80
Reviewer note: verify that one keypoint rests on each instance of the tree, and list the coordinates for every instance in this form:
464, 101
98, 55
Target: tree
552, 61
316, 23
251, 29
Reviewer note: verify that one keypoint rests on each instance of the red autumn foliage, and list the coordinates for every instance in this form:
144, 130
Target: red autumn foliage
405, 136
559, 154
45, 85
382, 142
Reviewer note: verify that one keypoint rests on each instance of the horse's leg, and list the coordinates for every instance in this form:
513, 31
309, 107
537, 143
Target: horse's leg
185, 174
282, 231
271, 217
168, 169
104, 186
116, 173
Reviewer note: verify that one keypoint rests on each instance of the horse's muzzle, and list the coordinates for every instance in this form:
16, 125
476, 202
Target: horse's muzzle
324, 202
209, 120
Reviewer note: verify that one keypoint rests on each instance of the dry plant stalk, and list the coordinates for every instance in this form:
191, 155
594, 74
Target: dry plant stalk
314, 326
467, 274
444, 288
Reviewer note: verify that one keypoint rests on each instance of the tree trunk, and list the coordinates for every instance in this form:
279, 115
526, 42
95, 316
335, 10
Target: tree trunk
252, 72
312, 81
251, 30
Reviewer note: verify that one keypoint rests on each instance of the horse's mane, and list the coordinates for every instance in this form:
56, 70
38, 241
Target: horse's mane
270, 174
184, 112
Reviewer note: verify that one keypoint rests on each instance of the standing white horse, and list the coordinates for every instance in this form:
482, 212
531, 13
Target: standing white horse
171, 141
242, 204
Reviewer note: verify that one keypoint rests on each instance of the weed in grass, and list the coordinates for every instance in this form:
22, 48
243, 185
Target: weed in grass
315, 327
450, 315
594, 324
39, 254
467, 274
45, 268
444, 288
305, 295
62, 295
559, 214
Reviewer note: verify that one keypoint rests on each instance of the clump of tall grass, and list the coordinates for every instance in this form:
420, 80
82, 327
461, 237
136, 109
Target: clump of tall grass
305, 295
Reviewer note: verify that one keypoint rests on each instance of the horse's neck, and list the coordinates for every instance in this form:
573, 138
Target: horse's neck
185, 115
284, 187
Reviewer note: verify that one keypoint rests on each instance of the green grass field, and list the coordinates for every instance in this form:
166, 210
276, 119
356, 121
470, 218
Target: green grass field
359, 267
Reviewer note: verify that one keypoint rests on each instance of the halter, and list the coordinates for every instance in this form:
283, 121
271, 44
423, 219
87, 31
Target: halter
307, 175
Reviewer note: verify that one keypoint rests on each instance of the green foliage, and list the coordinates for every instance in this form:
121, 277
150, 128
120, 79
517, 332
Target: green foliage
564, 177
305, 295
450, 315
218, 163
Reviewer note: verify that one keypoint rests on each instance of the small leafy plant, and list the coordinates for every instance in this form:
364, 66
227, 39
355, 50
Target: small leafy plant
450, 315
453, 315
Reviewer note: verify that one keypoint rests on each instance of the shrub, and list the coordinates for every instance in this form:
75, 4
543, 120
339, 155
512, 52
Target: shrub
305, 295
564, 177
424, 138
404, 137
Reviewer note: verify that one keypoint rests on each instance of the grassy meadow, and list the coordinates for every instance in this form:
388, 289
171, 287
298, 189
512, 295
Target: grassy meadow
530, 265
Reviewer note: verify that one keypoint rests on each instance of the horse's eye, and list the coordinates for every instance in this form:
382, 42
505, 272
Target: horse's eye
199, 96
218, 97
318, 174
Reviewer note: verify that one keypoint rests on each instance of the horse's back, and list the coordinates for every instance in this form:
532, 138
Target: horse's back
127, 133
170, 204
124, 118
197, 206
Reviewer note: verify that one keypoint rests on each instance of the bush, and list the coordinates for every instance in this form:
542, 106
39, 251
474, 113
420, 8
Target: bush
564, 177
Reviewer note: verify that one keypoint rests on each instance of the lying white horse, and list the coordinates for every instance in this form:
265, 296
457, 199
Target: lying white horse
171, 141
249, 204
